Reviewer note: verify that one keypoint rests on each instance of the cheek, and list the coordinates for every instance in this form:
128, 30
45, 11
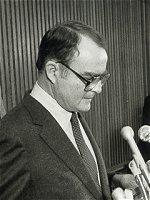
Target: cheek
78, 90
70, 91
75, 93
75, 87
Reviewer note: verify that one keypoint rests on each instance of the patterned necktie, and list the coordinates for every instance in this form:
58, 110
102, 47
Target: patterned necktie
83, 148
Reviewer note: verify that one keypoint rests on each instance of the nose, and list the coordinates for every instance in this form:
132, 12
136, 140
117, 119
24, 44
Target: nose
98, 88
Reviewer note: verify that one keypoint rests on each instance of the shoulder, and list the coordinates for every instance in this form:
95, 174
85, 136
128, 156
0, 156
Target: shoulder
146, 111
147, 100
17, 123
14, 165
15, 116
144, 148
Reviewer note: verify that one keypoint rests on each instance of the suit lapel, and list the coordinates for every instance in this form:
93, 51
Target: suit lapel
53, 135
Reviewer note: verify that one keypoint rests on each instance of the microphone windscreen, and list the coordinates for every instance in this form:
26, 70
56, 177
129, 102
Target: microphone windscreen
127, 133
144, 133
118, 194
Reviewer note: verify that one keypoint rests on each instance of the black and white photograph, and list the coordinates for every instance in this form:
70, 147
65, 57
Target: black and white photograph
74, 99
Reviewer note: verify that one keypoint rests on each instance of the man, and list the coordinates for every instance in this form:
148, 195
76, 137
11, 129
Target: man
41, 157
144, 146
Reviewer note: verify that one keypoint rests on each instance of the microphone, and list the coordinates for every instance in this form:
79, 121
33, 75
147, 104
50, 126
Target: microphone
148, 165
144, 133
128, 134
118, 194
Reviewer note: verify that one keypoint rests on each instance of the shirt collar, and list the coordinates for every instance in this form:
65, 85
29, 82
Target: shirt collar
60, 114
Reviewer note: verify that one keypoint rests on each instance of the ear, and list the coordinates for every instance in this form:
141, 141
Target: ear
50, 69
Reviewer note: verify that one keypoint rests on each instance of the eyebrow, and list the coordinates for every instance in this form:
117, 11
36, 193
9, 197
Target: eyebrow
93, 74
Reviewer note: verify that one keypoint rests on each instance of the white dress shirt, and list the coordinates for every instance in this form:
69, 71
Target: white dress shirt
61, 116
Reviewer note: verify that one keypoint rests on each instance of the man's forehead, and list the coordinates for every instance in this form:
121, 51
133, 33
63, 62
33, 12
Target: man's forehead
87, 47
86, 41
90, 52
90, 58
93, 66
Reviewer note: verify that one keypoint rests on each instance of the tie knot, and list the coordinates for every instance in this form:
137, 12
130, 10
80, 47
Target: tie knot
74, 117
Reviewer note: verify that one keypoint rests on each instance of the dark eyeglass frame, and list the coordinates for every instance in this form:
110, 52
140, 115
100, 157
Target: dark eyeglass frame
88, 82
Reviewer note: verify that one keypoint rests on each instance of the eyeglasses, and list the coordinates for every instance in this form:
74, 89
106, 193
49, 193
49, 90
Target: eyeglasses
90, 84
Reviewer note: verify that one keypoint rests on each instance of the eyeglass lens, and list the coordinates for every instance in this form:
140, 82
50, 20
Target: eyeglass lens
95, 82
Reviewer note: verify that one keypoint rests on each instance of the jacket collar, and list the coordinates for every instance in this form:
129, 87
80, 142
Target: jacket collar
37, 112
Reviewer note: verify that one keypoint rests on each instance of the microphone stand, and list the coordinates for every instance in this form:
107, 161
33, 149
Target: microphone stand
141, 181
137, 165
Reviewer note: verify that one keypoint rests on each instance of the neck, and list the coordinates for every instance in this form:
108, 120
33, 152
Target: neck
45, 84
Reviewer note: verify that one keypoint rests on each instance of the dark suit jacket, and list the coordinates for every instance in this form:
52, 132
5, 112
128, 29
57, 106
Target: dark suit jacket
145, 146
38, 161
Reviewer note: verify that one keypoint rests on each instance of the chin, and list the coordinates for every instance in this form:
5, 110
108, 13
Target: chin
85, 108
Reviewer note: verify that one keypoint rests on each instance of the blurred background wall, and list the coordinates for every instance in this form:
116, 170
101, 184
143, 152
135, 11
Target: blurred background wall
125, 25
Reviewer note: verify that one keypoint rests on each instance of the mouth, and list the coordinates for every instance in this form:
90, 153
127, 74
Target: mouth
88, 98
